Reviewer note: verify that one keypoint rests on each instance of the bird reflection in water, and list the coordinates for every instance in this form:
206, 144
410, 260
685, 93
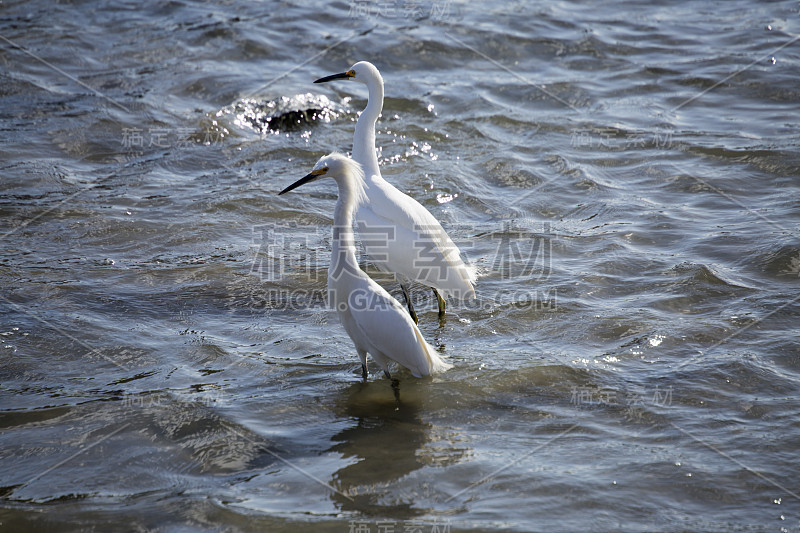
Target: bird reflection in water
382, 445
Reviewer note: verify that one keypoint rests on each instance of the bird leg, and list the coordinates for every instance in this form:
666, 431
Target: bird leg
441, 302
364, 371
387, 374
396, 389
408, 303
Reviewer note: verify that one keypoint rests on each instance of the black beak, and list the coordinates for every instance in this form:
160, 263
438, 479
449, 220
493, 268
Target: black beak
340, 76
302, 181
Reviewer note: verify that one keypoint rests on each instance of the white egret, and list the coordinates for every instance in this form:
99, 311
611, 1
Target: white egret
375, 321
398, 233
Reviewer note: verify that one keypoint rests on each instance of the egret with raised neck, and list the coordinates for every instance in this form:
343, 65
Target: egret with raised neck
397, 232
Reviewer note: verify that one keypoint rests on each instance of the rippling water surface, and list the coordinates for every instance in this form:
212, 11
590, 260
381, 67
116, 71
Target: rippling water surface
625, 178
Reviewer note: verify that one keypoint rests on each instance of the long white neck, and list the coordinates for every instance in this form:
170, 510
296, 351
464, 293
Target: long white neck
343, 248
364, 138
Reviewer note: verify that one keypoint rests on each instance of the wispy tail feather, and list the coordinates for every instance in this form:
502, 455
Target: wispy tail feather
436, 362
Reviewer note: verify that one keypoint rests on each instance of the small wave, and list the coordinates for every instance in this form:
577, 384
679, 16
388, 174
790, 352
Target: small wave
784, 262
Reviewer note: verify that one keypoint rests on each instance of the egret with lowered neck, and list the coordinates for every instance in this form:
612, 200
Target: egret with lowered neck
398, 233
375, 321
